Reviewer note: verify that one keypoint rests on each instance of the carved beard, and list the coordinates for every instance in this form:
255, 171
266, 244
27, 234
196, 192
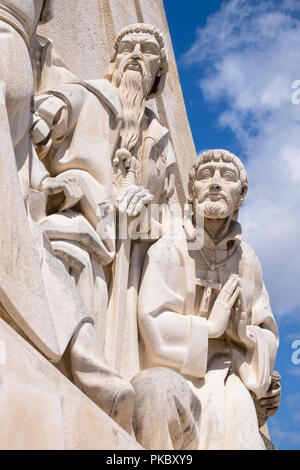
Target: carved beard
216, 210
220, 209
133, 89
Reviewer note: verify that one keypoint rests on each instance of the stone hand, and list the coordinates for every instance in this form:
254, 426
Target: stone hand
243, 333
133, 199
267, 406
68, 186
219, 317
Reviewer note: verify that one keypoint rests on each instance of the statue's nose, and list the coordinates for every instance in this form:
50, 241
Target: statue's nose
216, 181
137, 52
215, 185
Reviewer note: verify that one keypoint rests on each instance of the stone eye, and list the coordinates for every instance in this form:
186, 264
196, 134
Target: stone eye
229, 176
148, 49
126, 48
205, 174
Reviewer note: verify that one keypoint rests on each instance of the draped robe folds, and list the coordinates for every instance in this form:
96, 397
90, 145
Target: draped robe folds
95, 122
22, 15
222, 372
35, 292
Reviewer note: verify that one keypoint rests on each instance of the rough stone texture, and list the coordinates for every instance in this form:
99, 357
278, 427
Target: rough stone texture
60, 416
85, 41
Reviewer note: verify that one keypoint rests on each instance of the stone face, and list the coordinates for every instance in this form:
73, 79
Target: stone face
41, 409
99, 272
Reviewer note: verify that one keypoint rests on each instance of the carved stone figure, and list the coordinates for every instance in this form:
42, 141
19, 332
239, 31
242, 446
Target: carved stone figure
19, 266
37, 295
208, 336
87, 157
98, 141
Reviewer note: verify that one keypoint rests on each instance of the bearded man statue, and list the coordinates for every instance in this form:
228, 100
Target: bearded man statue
208, 338
99, 143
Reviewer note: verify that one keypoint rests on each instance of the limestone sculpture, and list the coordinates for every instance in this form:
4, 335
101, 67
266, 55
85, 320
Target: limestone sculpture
127, 156
79, 160
208, 336
36, 292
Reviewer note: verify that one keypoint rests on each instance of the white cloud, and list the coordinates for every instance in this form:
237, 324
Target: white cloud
250, 56
293, 400
292, 336
283, 434
286, 432
295, 372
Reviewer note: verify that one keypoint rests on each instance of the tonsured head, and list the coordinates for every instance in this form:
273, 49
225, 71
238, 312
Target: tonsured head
218, 183
140, 49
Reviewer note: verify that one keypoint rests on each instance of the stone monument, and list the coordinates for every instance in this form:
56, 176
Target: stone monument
208, 336
96, 156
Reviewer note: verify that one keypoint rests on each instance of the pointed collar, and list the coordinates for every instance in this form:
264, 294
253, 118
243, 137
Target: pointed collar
234, 235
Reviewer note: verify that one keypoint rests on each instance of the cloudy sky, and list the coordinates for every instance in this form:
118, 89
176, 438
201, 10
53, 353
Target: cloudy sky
238, 62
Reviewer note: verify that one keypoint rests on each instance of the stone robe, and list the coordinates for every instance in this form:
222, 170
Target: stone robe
36, 294
222, 372
23, 15
38, 297
86, 153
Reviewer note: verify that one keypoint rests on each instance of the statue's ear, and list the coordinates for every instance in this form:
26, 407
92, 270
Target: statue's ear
243, 193
160, 70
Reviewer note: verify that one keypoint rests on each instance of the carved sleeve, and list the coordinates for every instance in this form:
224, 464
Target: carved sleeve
74, 96
256, 365
171, 338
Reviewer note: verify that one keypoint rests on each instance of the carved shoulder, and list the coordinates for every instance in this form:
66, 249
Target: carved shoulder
250, 261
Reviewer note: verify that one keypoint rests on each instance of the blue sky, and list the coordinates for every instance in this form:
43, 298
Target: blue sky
237, 60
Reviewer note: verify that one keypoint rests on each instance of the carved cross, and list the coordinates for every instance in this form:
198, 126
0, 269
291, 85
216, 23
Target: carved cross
209, 285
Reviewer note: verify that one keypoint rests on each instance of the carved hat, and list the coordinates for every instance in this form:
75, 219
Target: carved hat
160, 79
218, 155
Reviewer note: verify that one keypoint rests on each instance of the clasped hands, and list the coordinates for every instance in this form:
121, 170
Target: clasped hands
219, 317
223, 307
